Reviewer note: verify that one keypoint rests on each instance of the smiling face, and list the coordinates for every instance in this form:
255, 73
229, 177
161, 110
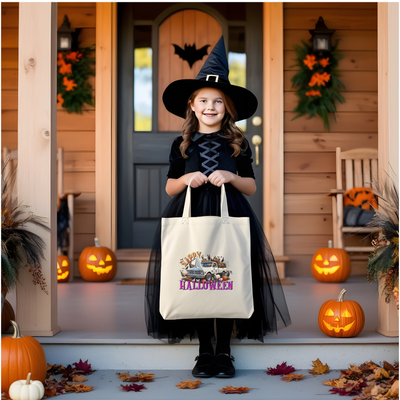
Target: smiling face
209, 108
341, 320
97, 264
330, 265
63, 268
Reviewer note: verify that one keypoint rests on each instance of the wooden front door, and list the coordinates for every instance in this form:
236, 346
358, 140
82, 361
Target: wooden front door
147, 62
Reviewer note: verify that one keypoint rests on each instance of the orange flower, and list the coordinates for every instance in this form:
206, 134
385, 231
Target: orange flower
69, 84
66, 69
319, 79
60, 60
60, 100
310, 61
313, 93
74, 55
324, 62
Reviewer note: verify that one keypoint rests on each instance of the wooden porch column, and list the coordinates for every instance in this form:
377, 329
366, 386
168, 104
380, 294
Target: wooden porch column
388, 128
273, 131
106, 16
37, 154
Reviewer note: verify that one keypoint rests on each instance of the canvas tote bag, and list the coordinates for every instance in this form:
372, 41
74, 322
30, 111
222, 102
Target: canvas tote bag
205, 265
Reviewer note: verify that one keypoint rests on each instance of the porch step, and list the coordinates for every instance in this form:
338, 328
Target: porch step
107, 386
298, 349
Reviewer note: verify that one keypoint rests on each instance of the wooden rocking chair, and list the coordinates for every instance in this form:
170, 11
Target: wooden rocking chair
360, 169
69, 195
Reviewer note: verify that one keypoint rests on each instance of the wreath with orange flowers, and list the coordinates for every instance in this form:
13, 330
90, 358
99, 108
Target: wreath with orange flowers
73, 71
316, 82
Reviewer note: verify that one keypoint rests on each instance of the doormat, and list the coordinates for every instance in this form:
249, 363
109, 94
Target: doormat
132, 282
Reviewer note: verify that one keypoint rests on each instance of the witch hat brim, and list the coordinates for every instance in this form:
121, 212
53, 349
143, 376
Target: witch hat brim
214, 74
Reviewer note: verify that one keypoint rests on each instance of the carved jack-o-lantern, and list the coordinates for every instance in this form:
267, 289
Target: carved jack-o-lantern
97, 264
331, 265
341, 318
63, 269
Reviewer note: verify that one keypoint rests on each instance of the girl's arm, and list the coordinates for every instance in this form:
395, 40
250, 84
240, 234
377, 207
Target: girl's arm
175, 186
245, 185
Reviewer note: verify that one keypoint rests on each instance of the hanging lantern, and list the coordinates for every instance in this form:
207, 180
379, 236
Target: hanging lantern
64, 36
321, 36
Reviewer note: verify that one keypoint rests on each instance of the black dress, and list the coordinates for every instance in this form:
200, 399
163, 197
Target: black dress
208, 153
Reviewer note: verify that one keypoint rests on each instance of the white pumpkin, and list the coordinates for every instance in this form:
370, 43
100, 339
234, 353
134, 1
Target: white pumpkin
26, 389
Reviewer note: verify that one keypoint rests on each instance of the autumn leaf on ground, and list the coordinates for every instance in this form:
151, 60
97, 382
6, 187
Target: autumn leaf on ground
291, 377
381, 373
353, 388
126, 377
78, 388
339, 383
282, 369
4, 396
133, 387
388, 367
188, 384
84, 366
319, 368
234, 390
79, 378
394, 390
55, 369
144, 377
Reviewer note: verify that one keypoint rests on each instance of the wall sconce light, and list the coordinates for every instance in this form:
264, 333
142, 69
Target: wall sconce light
321, 36
64, 36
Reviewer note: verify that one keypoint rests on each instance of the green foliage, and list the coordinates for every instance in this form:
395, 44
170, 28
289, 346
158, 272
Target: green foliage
317, 105
143, 58
81, 67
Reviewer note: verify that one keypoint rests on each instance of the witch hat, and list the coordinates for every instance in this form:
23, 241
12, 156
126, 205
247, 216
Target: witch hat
214, 74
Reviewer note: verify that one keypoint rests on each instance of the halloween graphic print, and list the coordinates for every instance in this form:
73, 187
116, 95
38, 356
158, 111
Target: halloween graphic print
201, 272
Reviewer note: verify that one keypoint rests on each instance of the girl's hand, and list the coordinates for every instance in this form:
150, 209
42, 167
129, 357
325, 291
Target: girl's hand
217, 178
197, 179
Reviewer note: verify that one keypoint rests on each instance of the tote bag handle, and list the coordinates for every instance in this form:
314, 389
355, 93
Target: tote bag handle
224, 203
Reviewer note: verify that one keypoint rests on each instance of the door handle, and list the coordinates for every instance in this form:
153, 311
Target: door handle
256, 140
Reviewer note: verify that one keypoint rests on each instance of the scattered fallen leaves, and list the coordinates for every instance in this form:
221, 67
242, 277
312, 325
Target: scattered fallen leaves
133, 387
339, 383
394, 390
84, 367
234, 390
126, 377
291, 377
79, 378
55, 369
78, 388
319, 368
144, 377
188, 384
353, 388
281, 369
369, 381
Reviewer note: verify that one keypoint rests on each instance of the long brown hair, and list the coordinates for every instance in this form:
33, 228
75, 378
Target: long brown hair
232, 133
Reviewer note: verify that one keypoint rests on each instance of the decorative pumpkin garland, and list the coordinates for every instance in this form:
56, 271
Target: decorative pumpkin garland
317, 82
73, 71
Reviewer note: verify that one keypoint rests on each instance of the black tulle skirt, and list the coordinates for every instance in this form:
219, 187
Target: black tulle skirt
270, 309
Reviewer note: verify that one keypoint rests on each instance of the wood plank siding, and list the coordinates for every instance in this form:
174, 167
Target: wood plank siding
75, 132
309, 149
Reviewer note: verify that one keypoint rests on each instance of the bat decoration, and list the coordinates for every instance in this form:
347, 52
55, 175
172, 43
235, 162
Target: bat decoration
190, 53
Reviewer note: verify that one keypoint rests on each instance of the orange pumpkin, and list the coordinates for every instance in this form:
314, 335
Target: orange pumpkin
331, 265
341, 318
97, 264
7, 314
63, 269
19, 356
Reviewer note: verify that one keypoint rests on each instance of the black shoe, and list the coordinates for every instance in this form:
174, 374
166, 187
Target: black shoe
204, 366
223, 367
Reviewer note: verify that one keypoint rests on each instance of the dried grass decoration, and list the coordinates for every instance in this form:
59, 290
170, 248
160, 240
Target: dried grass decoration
73, 71
316, 82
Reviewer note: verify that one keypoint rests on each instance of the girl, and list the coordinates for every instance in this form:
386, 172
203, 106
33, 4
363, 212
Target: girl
213, 151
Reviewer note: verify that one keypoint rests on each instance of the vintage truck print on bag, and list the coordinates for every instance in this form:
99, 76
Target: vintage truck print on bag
205, 273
